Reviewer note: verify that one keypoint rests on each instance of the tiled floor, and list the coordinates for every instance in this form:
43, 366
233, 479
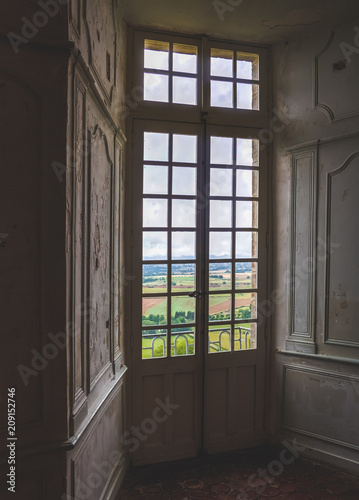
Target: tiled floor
261, 473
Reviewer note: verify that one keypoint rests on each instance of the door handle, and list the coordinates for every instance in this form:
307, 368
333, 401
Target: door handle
196, 294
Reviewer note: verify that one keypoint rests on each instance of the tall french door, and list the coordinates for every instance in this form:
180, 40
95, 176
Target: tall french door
198, 276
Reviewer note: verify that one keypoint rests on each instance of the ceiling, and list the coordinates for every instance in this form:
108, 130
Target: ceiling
256, 21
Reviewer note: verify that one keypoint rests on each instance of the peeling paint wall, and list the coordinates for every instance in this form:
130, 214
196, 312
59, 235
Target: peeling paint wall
62, 81
94, 195
316, 199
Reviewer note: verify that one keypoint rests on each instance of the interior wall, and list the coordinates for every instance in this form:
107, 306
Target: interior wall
97, 463
315, 243
62, 100
33, 69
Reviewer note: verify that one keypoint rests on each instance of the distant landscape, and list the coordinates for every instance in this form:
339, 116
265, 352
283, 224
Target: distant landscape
154, 312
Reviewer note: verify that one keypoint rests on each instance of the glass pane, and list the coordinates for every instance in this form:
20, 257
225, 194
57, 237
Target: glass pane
154, 278
247, 66
183, 341
154, 311
221, 62
246, 274
221, 182
154, 245
184, 245
247, 183
222, 150
155, 179
219, 338
247, 96
183, 277
220, 213
184, 58
220, 276
184, 181
183, 310
154, 344
154, 212
219, 307
184, 90
155, 87
156, 54
184, 213
247, 214
220, 245
247, 152
246, 306
221, 94
245, 336
155, 147
246, 245
185, 148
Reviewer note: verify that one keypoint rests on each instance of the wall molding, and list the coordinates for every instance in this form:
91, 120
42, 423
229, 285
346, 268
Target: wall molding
318, 102
304, 170
319, 372
328, 243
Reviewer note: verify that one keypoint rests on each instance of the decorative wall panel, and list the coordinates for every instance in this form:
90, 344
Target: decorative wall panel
342, 272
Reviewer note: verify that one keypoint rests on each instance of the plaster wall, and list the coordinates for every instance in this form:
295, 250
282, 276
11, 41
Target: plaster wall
315, 248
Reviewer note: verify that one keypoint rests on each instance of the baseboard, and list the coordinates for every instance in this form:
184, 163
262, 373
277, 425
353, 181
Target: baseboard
115, 481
